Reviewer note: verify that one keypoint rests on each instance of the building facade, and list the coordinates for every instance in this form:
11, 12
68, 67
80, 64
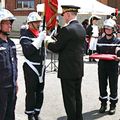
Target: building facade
21, 8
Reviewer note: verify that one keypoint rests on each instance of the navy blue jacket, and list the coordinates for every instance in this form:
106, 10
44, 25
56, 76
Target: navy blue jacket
8, 63
105, 46
29, 51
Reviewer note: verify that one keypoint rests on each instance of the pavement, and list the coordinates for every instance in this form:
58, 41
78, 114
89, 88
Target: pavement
53, 108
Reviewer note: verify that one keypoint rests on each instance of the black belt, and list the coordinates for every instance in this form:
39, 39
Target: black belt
94, 37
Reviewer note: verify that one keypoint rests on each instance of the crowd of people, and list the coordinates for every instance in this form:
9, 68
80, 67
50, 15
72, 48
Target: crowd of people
70, 42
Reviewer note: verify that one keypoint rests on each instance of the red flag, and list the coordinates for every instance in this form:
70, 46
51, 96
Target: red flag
51, 7
103, 56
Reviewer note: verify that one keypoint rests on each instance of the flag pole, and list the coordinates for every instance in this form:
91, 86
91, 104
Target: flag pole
43, 23
44, 18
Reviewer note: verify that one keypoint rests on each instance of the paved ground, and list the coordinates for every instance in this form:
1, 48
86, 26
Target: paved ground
53, 108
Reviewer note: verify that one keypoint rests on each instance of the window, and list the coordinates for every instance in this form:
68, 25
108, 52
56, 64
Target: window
25, 4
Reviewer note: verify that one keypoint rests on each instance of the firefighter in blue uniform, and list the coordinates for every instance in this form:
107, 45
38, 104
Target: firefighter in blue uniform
34, 66
8, 67
108, 69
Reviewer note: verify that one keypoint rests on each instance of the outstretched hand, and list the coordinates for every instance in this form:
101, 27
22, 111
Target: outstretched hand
48, 40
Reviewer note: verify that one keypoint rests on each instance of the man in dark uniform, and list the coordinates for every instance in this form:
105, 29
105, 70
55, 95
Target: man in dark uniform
70, 47
34, 67
108, 69
8, 67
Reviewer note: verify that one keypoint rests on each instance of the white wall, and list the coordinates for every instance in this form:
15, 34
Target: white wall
18, 22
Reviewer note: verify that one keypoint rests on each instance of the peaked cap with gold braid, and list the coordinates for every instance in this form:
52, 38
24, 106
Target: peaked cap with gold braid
69, 8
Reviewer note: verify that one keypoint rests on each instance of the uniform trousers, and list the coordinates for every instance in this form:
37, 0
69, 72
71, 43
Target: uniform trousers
71, 90
34, 91
7, 103
108, 74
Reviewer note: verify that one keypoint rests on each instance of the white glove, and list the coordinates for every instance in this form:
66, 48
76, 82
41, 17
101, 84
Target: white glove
49, 40
38, 41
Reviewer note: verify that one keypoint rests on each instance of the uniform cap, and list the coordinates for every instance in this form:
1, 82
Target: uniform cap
114, 18
109, 23
69, 8
95, 17
33, 17
6, 15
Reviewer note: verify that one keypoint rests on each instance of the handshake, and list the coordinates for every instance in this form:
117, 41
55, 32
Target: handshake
42, 37
48, 40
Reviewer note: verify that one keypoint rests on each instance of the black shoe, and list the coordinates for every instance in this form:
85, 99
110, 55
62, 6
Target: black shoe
31, 117
112, 110
37, 117
102, 109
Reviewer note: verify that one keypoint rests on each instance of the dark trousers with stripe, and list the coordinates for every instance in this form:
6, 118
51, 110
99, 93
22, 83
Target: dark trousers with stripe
34, 91
71, 90
7, 103
108, 74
